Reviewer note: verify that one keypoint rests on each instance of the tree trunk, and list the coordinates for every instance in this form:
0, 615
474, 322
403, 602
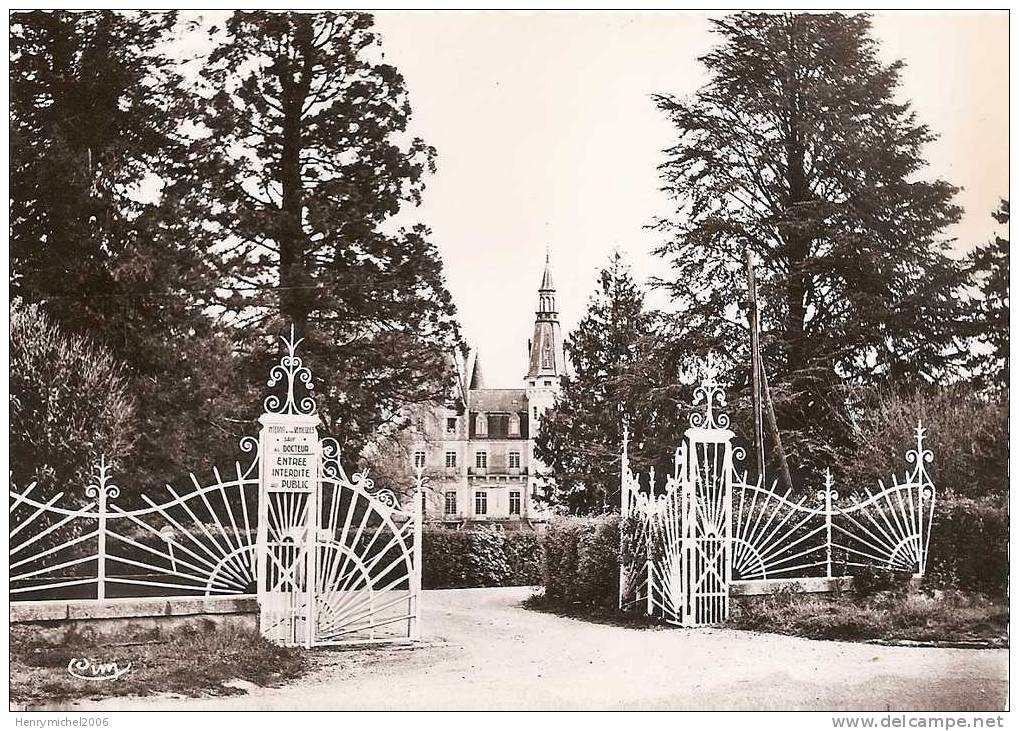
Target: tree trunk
797, 235
295, 79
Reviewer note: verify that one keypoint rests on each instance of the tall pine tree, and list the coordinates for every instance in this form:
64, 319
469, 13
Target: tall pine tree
307, 161
97, 234
615, 379
989, 266
801, 149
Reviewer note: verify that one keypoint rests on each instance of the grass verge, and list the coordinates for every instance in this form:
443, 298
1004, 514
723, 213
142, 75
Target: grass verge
897, 615
599, 615
188, 662
913, 615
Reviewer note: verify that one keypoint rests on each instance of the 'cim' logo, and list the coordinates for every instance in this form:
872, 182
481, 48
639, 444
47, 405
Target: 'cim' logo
87, 668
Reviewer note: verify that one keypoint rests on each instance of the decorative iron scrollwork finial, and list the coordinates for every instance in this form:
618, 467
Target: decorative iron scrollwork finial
919, 458
102, 489
291, 368
828, 494
713, 396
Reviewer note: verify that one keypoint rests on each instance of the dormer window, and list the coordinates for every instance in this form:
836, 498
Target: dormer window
514, 425
481, 425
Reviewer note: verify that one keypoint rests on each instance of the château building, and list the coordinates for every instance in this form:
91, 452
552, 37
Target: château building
478, 449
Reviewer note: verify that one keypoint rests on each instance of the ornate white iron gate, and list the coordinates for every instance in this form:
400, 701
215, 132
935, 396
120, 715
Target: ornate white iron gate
331, 559
685, 532
685, 548
368, 574
339, 562
707, 496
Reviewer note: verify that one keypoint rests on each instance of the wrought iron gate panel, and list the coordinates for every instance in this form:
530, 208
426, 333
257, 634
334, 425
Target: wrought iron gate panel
775, 535
368, 566
666, 562
706, 533
285, 596
198, 541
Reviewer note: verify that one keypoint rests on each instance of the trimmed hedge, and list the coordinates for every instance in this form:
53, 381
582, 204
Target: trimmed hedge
969, 545
462, 559
582, 561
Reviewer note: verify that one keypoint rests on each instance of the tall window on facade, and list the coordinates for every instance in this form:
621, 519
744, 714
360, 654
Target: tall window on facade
514, 502
419, 459
481, 425
481, 460
514, 425
451, 459
451, 424
514, 460
481, 502
450, 506
535, 412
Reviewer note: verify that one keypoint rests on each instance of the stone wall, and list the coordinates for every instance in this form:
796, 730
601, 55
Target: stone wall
135, 620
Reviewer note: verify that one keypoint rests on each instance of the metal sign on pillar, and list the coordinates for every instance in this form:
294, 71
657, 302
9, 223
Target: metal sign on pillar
288, 504
338, 560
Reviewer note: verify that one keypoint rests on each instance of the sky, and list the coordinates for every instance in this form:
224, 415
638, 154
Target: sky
547, 139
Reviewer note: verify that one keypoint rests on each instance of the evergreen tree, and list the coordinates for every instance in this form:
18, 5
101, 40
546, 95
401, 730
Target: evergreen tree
307, 160
97, 223
989, 266
615, 379
799, 150
56, 434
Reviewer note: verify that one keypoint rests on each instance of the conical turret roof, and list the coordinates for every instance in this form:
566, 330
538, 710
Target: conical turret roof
477, 380
546, 279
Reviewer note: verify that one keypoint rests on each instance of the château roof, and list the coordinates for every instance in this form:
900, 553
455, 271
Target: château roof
498, 399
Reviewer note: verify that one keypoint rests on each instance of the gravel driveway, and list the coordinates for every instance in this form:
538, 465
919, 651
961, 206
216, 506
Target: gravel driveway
483, 650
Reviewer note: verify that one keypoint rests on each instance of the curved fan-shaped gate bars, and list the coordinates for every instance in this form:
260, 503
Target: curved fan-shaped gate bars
711, 527
367, 580
199, 542
331, 559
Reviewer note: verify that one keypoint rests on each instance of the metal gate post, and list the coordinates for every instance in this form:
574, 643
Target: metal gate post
415, 578
728, 472
289, 459
689, 516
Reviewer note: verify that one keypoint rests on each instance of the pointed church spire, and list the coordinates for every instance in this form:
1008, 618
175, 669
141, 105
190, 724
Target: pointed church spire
477, 380
546, 351
546, 279
546, 293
